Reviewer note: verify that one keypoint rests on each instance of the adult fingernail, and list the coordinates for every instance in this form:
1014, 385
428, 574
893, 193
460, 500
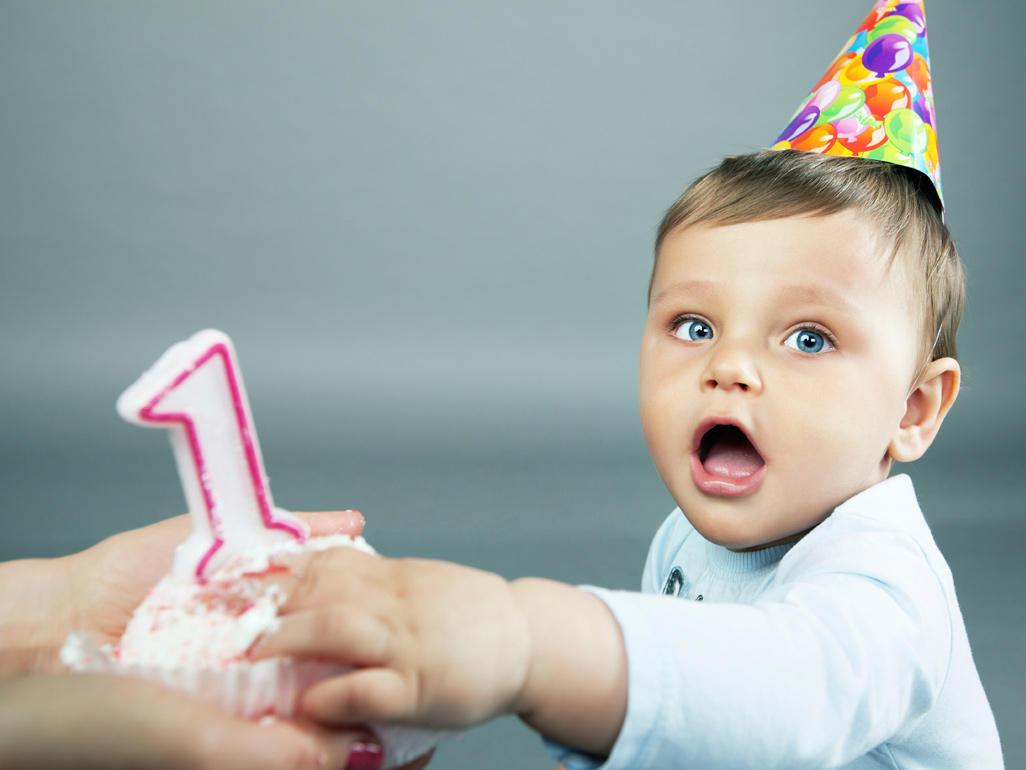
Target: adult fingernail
365, 756
360, 521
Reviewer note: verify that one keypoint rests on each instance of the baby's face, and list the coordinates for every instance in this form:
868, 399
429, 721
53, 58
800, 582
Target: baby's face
775, 364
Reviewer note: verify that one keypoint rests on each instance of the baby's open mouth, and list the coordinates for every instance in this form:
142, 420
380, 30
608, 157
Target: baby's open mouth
725, 461
725, 452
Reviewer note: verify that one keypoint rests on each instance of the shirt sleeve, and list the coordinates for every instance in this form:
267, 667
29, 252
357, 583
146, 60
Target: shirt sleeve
836, 658
651, 582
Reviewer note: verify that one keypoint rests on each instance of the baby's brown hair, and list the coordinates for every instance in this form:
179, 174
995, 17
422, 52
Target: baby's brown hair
900, 202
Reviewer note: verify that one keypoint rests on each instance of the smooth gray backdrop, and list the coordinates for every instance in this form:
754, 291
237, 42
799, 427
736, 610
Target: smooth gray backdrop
427, 226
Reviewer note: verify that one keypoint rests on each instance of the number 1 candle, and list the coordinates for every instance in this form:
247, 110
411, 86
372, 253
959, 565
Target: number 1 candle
195, 391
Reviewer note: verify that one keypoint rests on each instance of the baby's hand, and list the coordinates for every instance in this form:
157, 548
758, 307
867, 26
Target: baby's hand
433, 643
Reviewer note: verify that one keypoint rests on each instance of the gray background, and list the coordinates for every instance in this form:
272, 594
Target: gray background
427, 226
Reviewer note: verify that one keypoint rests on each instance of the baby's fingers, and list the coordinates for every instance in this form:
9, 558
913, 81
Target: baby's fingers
329, 577
339, 633
367, 695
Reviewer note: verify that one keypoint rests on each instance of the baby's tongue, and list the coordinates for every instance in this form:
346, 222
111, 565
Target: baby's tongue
732, 455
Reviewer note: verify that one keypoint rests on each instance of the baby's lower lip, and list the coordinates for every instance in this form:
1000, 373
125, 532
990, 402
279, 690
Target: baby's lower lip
724, 486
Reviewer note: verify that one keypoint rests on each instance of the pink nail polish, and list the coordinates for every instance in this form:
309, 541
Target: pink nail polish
365, 756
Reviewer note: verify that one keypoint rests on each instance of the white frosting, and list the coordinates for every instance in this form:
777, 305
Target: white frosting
183, 623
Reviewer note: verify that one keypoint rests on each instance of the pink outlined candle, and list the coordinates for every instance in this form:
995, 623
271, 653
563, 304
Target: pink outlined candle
195, 391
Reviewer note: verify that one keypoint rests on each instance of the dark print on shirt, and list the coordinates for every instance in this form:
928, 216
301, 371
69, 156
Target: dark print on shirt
674, 583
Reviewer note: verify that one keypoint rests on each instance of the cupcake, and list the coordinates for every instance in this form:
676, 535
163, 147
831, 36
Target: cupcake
195, 637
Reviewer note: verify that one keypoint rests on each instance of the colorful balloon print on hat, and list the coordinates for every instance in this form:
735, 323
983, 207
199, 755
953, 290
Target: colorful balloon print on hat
875, 100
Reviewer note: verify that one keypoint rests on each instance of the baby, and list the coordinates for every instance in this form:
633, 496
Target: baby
795, 612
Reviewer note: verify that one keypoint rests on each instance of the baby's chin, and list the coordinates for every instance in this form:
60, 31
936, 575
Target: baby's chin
741, 543
747, 530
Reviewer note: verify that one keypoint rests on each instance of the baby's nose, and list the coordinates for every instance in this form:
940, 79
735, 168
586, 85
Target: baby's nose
732, 368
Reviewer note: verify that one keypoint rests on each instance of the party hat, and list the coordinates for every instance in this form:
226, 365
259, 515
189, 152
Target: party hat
875, 101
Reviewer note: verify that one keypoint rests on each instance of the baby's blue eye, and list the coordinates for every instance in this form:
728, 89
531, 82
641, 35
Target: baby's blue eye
808, 341
693, 329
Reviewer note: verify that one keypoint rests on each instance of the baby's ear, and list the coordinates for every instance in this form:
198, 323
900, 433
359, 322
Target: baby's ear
925, 409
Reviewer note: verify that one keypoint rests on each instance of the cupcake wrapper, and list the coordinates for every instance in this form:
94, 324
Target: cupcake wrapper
254, 690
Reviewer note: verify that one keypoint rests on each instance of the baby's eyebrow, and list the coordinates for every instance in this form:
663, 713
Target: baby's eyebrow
692, 287
792, 294
816, 294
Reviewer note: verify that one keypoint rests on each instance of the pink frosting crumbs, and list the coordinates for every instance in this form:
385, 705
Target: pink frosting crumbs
181, 623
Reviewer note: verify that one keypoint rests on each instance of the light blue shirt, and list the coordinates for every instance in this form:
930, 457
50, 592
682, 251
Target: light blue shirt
844, 650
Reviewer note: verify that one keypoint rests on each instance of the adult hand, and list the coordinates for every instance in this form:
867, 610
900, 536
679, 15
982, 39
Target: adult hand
96, 590
98, 721
82, 720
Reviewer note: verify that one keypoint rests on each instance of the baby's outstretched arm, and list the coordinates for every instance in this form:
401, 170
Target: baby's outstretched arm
449, 646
